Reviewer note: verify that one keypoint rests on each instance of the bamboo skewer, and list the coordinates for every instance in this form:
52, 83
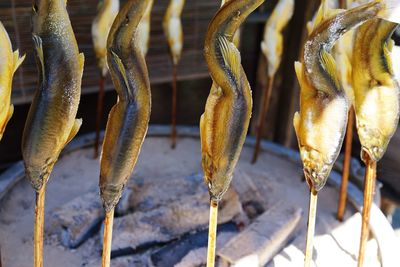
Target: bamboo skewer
173, 113
39, 228
369, 190
266, 99
312, 212
107, 238
346, 166
99, 114
212, 233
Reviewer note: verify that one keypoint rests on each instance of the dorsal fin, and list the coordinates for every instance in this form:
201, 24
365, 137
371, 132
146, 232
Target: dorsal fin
18, 60
231, 56
329, 65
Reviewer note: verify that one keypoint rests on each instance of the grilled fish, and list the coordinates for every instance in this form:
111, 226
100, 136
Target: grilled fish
375, 88
144, 29
272, 44
129, 118
108, 10
51, 122
172, 26
321, 123
9, 63
224, 124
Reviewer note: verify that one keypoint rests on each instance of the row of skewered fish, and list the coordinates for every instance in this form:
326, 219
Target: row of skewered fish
121, 43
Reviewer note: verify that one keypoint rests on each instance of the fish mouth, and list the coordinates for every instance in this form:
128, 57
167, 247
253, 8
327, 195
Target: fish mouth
316, 177
375, 153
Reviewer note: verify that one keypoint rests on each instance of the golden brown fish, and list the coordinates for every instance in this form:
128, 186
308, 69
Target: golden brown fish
9, 63
224, 124
51, 121
108, 10
272, 44
321, 123
375, 88
129, 118
172, 26
144, 29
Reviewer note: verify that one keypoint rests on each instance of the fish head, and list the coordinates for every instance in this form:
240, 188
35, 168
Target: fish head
373, 142
316, 168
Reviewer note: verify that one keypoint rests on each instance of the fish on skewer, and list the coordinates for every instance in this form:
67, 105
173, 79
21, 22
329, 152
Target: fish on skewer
51, 121
9, 63
224, 124
108, 10
272, 48
376, 94
320, 125
172, 26
129, 118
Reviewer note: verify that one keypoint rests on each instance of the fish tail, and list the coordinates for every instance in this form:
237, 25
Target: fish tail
391, 10
17, 60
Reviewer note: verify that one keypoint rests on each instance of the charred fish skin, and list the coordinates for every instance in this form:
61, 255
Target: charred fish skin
129, 118
108, 10
375, 88
224, 124
9, 63
172, 26
321, 123
51, 121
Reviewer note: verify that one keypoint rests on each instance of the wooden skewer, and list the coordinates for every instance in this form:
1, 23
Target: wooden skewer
174, 96
266, 98
99, 115
346, 166
1, 261
107, 238
212, 233
369, 189
39, 228
312, 212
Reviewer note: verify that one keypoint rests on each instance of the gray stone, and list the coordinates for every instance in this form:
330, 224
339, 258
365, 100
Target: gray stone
190, 250
75, 221
169, 220
258, 243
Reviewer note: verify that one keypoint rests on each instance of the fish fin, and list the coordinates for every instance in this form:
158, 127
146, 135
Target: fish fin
18, 60
328, 63
39, 54
122, 72
10, 113
296, 122
81, 60
231, 56
74, 130
298, 67
387, 53
391, 11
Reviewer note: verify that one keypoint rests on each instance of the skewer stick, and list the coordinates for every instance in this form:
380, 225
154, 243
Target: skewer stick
346, 166
266, 98
174, 95
212, 233
107, 238
38, 228
369, 189
99, 115
312, 211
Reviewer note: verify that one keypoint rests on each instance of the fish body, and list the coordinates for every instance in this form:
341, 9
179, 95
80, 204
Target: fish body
144, 29
172, 26
9, 63
321, 123
375, 88
51, 122
129, 118
224, 124
272, 44
108, 10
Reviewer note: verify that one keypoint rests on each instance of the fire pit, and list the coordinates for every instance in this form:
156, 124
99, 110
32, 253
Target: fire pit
163, 215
